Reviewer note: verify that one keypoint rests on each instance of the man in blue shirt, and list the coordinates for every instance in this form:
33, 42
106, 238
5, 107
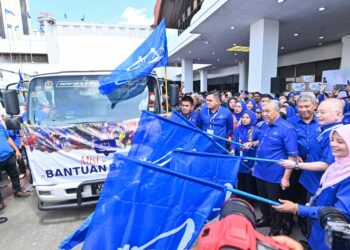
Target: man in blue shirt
8, 162
277, 140
215, 119
306, 126
187, 105
329, 115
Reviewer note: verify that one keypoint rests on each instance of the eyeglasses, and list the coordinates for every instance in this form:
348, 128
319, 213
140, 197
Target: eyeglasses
257, 112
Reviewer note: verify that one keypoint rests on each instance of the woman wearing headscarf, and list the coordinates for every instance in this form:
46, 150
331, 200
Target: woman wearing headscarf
334, 189
231, 102
246, 134
238, 110
251, 104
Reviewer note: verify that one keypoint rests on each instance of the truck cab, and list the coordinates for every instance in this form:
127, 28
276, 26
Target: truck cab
72, 132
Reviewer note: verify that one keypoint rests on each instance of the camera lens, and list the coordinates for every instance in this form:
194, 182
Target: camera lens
240, 207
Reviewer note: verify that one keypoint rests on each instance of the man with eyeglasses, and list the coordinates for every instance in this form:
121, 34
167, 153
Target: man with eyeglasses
215, 119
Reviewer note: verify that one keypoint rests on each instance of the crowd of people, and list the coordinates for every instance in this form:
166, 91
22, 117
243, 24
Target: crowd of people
306, 134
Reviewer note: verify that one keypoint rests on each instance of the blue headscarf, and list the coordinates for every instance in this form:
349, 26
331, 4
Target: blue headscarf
252, 116
244, 108
242, 130
260, 109
253, 102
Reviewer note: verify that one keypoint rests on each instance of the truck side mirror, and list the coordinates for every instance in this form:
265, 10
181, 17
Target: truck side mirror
173, 94
11, 102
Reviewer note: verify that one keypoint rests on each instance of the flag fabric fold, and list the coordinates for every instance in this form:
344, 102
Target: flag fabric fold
145, 206
152, 53
156, 136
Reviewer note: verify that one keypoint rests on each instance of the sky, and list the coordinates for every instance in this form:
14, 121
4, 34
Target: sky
138, 12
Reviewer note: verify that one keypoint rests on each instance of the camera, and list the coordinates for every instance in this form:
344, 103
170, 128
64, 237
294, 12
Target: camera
235, 230
336, 227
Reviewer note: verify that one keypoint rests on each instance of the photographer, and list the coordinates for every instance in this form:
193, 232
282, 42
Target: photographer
334, 189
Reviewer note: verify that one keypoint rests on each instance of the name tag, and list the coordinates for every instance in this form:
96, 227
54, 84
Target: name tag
210, 131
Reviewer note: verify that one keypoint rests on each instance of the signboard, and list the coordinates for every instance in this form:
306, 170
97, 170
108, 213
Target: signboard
75, 153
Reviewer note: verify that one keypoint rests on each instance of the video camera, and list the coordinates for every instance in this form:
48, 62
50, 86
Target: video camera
235, 230
336, 227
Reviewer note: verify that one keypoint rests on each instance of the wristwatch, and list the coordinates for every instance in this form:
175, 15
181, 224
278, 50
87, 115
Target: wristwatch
296, 166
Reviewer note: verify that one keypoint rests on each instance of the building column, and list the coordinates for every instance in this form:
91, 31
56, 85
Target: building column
203, 80
187, 74
263, 55
345, 57
242, 83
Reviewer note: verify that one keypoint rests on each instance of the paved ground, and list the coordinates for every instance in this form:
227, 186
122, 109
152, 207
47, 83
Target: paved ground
29, 228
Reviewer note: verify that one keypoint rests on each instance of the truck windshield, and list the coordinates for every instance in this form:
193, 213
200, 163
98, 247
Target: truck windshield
58, 100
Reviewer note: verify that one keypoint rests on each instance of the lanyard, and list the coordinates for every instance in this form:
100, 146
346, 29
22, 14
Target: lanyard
212, 119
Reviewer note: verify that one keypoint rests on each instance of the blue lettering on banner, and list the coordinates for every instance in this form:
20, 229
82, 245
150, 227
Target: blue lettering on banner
83, 170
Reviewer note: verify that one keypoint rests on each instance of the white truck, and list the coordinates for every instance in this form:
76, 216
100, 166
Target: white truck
72, 132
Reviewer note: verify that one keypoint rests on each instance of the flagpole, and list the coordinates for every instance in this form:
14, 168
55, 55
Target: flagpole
166, 90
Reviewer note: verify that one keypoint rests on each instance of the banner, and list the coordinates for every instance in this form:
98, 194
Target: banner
75, 153
152, 53
143, 206
156, 136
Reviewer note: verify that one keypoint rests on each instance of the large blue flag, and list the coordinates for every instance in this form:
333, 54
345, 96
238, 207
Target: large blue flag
157, 136
144, 206
177, 117
217, 168
151, 54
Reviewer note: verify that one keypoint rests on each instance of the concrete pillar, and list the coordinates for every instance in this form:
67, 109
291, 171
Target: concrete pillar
51, 42
263, 54
345, 57
203, 80
242, 84
187, 74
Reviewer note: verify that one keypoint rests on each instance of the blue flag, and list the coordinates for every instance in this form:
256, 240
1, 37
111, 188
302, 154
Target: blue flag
144, 206
9, 12
156, 136
151, 54
177, 117
217, 168
20, 83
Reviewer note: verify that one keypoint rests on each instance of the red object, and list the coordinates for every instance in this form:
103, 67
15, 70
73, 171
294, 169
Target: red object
234, 231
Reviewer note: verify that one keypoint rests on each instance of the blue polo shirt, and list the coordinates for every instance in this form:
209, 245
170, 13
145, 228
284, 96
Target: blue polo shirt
276, 141
320, 151
220, 122
15, 136
192, 117
5, 148
306, 134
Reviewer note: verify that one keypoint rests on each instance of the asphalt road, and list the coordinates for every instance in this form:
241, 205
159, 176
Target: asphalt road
29, 228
